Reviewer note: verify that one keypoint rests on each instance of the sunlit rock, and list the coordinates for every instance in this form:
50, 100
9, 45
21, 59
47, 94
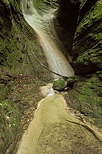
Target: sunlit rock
47, 90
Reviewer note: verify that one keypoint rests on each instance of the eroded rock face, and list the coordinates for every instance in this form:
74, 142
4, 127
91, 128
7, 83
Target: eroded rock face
68, 13
86, 98
67, 18
20, 74
86, 50
85, 22
71, 81
86, 53
5, 14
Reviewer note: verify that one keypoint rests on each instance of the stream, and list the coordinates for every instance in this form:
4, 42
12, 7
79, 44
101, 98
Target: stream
54, 128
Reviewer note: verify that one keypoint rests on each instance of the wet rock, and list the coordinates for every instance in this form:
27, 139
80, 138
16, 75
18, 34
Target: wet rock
63, 84
71, 81
59, 84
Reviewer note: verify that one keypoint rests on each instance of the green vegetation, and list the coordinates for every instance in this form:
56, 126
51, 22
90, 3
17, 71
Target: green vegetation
21, 75
87, 44
86, 54
87, 60
86, 97
59, 84
82, 3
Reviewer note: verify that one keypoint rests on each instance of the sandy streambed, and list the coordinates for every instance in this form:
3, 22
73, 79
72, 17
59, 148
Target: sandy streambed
54, 130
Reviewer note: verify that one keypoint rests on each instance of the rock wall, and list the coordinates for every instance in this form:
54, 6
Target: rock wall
86, 50
86, 54
20, 74
66, 22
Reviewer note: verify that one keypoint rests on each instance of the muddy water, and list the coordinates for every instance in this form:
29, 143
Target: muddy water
42, 25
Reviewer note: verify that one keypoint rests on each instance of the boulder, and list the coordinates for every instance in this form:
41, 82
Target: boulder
71, 81
59, 84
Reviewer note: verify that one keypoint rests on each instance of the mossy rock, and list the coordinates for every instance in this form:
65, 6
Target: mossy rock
71, 81
86, 97
59, 84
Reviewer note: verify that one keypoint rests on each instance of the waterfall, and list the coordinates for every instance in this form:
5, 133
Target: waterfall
41, 23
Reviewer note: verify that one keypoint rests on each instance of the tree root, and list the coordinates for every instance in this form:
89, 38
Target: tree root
97, 134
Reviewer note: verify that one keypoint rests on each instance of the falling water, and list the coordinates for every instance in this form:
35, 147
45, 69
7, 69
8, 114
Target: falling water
41, 24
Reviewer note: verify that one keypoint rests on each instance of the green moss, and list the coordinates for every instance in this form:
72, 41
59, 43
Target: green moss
20, 76
10, 117
91, 17
59, 84
92, 55
87, 48
86, 97
6, 2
